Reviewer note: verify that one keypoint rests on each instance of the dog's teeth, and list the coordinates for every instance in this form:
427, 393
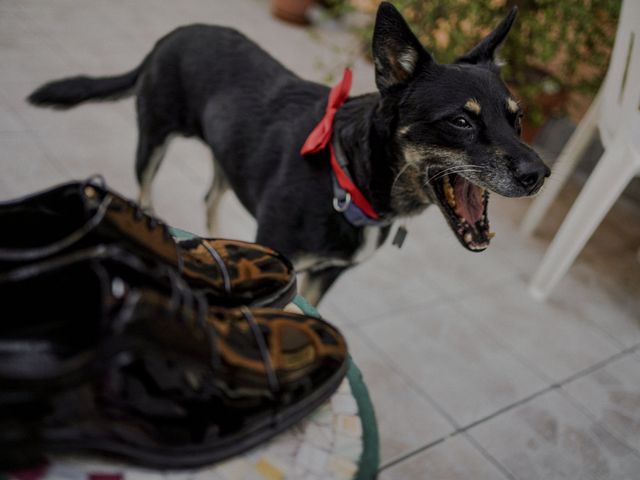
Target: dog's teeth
449, 192
468, 237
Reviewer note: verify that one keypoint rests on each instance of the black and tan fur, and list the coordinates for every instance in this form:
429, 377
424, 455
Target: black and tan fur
425, 120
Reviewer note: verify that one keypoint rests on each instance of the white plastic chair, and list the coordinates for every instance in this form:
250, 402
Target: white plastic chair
615, 112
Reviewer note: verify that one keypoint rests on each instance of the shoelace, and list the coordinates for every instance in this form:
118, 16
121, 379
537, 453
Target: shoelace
183, 298
222, 266
264, 350
138, 213
152, 222
184, 302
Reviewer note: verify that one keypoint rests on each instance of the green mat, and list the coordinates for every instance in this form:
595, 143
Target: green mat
368, 465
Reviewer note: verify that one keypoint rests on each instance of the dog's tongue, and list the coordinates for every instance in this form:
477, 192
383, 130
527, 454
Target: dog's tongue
469, 201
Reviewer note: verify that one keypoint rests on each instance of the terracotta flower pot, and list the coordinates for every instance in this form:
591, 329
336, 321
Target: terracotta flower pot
293, 11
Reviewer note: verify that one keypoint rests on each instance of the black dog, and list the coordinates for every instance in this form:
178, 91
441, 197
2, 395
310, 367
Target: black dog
443, 134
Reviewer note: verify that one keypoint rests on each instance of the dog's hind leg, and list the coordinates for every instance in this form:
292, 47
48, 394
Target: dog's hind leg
156, 125
315, 284
219, 185
152, 147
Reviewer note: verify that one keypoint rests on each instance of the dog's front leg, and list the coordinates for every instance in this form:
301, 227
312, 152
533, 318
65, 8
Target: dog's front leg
315, 284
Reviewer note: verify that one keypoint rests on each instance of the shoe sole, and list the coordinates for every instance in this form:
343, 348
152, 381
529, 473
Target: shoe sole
181, 458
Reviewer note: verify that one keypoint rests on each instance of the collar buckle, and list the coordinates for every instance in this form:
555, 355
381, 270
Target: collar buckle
341, 205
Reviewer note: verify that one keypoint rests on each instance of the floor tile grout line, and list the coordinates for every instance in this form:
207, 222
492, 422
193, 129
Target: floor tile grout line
463, 429
525, 362
490, 458
412, 453
507, 408
554, 386
631, 351
601, 364
391, 364
594, 419
430, 399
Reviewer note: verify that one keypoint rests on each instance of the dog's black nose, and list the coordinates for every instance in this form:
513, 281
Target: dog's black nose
531, 174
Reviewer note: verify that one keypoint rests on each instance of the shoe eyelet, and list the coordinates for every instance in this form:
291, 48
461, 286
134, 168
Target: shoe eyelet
90, 192
118, 287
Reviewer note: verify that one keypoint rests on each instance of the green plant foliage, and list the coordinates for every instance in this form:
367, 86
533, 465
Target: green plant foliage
554, 44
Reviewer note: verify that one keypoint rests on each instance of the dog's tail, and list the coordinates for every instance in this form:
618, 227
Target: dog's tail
69, 92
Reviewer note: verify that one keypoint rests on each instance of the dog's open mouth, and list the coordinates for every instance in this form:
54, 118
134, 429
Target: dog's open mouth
465, 207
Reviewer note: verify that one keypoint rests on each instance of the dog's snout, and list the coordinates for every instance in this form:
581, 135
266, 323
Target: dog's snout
531, 173
531, 178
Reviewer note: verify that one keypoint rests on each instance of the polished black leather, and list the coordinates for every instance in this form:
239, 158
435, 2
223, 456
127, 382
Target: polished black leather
81, 214
102, 353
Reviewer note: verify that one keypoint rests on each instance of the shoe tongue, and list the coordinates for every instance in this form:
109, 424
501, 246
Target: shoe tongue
469, 201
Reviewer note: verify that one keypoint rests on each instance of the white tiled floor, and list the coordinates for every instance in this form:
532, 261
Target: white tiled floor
470, 377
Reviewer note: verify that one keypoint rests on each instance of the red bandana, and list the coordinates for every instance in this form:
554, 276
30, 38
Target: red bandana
320, 136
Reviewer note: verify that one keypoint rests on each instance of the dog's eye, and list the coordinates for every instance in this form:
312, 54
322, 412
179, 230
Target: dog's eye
518, 124
460, 122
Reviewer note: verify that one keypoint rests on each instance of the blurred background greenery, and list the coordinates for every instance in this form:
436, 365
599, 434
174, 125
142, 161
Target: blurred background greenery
555, 57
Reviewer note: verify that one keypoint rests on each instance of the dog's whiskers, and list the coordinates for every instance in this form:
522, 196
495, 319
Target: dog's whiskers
454, 170
439, 176
402, 170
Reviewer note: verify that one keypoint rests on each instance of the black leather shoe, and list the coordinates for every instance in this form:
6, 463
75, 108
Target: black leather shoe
77, 215
99, 354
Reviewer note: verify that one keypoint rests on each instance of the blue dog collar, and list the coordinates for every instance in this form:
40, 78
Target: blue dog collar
355, 216
342, 199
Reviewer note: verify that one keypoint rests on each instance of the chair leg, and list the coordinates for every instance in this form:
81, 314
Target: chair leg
565, 165
611, 175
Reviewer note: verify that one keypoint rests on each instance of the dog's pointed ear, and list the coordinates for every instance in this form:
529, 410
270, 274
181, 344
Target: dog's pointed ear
485, 51
397, 53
